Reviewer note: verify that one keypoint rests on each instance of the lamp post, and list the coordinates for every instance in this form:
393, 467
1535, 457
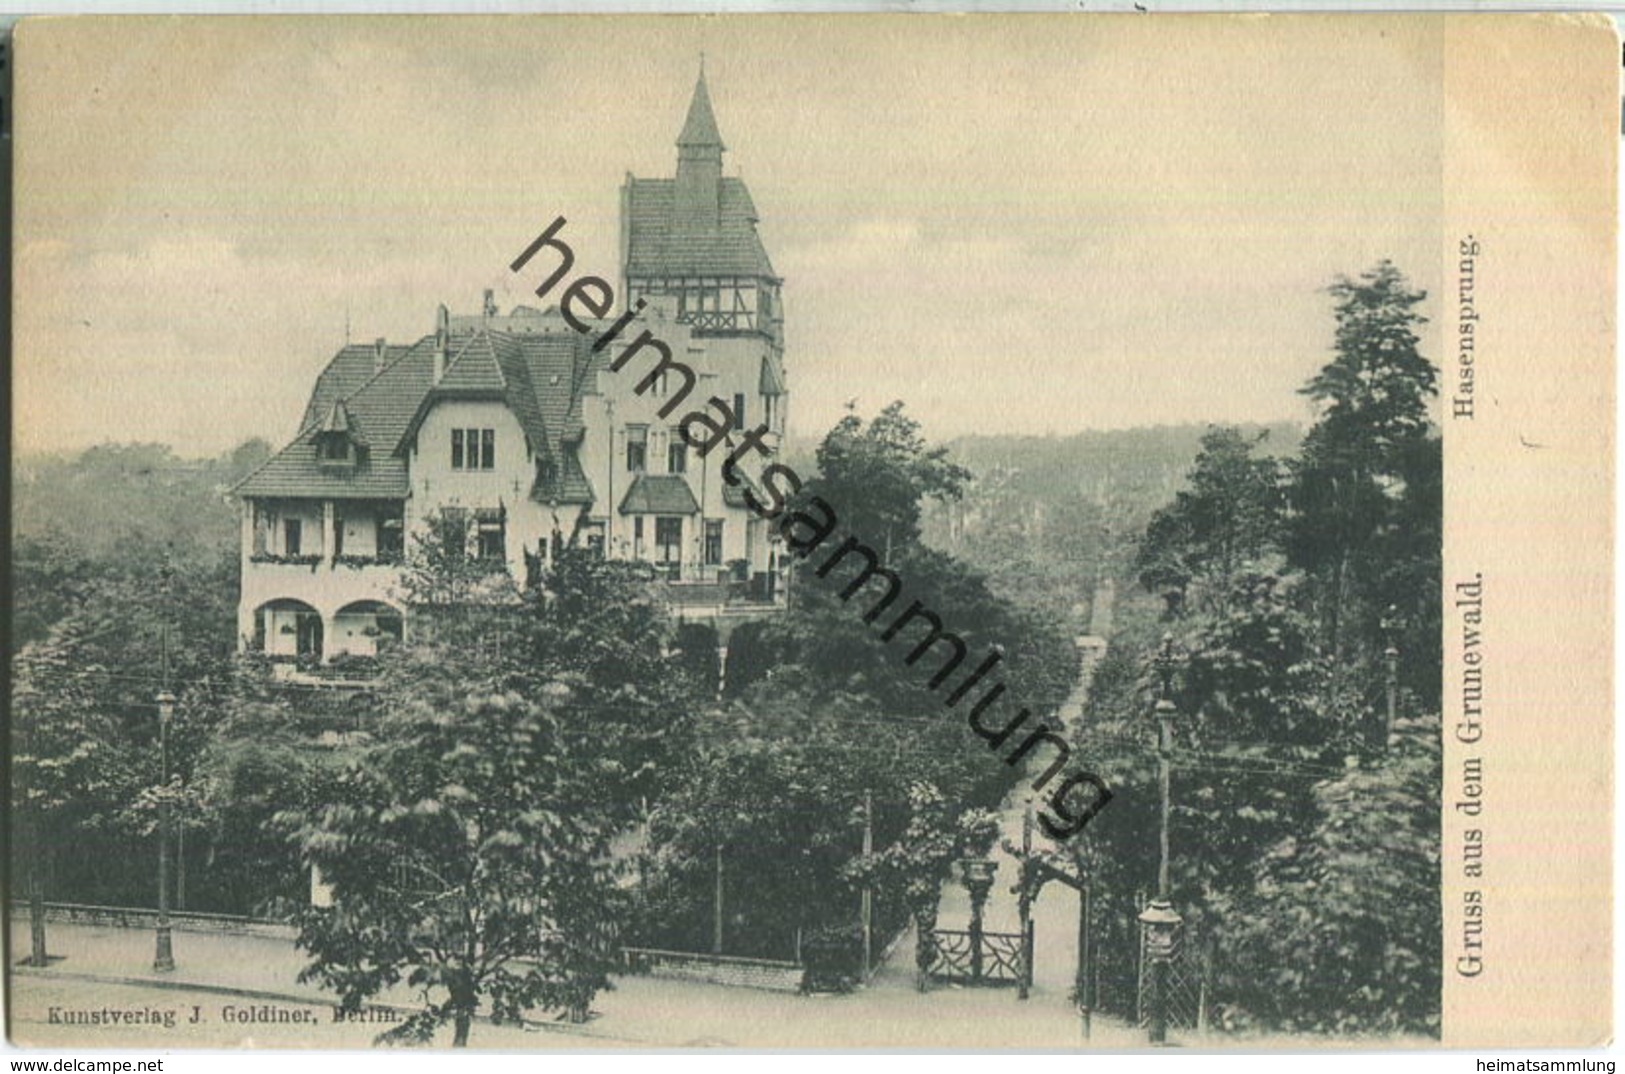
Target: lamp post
1160, 920
978, 874
164, 960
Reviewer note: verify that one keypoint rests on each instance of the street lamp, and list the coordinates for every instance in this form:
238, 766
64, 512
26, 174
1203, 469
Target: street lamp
164, 960
978, 875
1160, 920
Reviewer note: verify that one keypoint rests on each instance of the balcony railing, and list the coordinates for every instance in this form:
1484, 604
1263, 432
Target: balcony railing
725, 590
316, 559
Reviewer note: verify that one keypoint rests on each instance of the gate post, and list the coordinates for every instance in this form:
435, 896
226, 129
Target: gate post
1024, 976
1027, 960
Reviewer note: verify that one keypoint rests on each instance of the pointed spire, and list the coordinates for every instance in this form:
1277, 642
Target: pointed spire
700, 129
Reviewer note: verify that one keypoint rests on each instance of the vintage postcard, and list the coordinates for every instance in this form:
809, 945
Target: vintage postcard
954, 532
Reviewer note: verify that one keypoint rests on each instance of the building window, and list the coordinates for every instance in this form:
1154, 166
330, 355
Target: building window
668, 540
338, 534
262, 529
595, 543
391, 536
454, 531
676, 453
771, 415
334, 448
637, 448
490, 536
637, 536
713, 542
473, 449
292, 533
739, 410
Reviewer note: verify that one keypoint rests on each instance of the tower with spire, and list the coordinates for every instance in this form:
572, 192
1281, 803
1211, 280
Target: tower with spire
690, 247
517, 426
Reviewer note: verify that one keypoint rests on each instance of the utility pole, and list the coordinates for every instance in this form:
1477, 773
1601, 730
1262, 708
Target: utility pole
1082, 983
1390, 656
868, 907
716, 911
35, 849
163, 959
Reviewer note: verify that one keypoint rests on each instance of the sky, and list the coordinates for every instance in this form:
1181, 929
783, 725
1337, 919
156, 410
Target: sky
1016, 224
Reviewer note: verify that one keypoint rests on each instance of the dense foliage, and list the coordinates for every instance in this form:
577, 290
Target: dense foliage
466, 845
469, 813
828, 726
1305, 828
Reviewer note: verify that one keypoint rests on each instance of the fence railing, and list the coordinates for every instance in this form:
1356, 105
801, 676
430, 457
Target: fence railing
132, 917
772, 974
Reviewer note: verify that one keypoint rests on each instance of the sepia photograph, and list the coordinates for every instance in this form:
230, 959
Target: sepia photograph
1017, 532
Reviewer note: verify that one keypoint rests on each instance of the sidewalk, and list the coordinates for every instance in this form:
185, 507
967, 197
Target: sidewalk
640, 1012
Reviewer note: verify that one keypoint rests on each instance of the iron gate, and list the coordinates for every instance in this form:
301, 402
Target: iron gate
1006, 957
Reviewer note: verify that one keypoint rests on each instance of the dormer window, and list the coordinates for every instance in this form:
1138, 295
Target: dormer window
338, 442
335, 448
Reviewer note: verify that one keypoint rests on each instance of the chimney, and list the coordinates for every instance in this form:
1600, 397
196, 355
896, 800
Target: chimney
378, 354
442, 341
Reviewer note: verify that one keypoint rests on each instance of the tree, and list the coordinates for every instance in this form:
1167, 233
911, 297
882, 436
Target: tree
1228, 519
461, 863
467, 847
445, 579
1340, 932
1306, 859
879, 473
65, 760
914, 866
1363, 459
598, 627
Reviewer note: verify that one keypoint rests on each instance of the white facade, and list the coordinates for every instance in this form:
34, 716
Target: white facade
565, 448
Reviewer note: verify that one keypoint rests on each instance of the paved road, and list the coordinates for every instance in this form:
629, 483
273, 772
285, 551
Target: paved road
46, 1008
1055, 915
640, 1012
111, 967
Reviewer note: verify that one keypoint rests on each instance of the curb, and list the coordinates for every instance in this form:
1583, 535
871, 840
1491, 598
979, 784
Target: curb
177, 985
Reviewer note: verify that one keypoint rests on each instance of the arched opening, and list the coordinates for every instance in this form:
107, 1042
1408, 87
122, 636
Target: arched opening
364, 628
288, 629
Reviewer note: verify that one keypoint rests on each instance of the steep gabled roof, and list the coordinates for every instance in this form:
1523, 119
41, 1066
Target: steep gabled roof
659, 494
382, 406
485, 365
540, 377
344, 375
662, 241
473, 369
